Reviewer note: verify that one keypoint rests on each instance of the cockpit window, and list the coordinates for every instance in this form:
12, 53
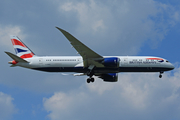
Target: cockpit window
167, 61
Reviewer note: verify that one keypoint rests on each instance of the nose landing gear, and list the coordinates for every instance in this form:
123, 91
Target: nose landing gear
160, 76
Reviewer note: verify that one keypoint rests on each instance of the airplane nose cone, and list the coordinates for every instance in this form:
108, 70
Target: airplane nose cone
171, 67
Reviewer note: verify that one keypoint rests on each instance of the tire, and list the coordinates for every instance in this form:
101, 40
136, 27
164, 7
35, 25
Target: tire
88, 80
92, 79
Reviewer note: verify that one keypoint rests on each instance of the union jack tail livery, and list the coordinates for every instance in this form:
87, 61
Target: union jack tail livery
20, 48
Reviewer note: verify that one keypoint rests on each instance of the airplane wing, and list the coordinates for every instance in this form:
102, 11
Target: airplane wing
89, 56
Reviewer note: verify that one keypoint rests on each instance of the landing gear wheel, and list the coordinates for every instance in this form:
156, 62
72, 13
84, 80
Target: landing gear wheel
160, 76
88, 80
92, 79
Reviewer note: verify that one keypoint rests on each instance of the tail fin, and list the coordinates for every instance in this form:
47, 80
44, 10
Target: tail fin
20, 48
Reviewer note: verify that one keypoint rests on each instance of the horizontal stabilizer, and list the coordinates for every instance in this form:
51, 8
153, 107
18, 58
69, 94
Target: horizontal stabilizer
13, 66
16, 58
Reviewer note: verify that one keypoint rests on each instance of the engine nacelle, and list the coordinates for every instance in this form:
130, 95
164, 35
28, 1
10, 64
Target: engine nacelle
111, 62
110, 77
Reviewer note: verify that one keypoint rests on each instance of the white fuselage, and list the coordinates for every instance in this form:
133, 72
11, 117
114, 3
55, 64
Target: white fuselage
75, 64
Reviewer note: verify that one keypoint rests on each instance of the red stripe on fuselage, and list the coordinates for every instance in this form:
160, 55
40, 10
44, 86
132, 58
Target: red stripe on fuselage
154, 58
27, 55
17, 42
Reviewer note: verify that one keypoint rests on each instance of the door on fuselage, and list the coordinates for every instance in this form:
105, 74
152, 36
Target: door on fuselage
40, 61
125, 61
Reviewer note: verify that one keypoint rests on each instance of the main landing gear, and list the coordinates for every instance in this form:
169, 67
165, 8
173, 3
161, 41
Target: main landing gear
160, 76
90, 73
91, 79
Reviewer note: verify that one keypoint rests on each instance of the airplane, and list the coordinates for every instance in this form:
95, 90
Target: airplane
89, 63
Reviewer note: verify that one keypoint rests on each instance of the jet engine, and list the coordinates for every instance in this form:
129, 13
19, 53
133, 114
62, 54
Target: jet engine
109, 77
111, 62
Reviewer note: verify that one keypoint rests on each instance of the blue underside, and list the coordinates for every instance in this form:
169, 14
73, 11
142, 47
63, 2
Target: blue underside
102, 70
